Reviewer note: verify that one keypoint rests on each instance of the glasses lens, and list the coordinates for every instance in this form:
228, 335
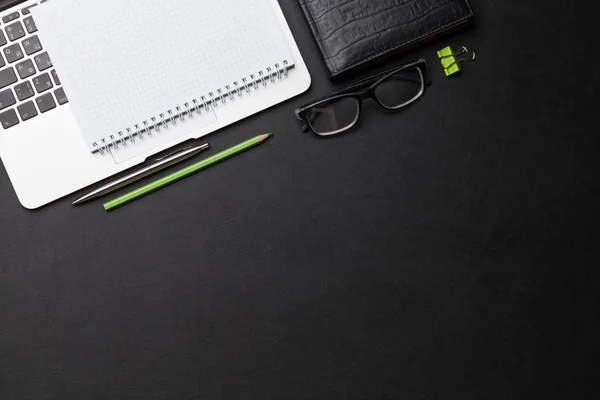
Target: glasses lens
334, 117
400, 89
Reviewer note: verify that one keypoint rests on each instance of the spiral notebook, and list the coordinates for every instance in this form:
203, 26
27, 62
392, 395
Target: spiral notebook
199, 55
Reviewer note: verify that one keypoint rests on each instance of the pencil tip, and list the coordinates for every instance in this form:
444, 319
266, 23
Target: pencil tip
265, 136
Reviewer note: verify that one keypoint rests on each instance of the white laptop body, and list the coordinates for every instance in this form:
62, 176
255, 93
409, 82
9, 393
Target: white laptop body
46, 157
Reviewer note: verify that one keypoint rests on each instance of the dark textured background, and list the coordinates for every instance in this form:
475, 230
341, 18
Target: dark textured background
449, 251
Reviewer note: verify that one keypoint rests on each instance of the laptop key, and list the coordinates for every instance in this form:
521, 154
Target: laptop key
25, 69
2, 63
31, 45
27, 10
42, 83
15, 31
7, 99
55, 76
43, 61
24, 90
61, 97
30, 25
2, 38
9, 119
7, 77
27, 110
13, 53
45, 102
10, 17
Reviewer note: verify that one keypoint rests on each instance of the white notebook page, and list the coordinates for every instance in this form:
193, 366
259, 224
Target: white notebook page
124, 61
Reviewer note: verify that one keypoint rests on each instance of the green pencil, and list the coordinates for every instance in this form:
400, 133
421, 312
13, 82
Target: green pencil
182, 173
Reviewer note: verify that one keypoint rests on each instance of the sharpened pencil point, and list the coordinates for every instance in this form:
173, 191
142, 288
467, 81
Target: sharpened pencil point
265, 136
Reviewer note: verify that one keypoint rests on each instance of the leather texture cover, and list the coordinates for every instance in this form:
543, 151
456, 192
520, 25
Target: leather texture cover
357, 33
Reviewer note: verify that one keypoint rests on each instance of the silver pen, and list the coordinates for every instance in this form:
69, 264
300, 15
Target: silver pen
159, 164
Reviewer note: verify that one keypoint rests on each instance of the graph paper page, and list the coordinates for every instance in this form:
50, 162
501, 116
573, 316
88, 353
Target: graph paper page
124, 62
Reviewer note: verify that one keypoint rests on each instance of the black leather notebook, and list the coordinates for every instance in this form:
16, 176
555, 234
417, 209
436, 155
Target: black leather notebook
354, 34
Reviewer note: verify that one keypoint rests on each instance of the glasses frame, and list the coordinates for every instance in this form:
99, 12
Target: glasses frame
361, 91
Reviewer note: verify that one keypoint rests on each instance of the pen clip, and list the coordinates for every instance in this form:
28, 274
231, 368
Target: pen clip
184, 149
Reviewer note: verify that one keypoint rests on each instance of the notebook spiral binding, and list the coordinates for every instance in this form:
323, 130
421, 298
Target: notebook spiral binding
212, 99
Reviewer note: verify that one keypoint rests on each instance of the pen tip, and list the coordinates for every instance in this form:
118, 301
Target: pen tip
82, 199
265, 136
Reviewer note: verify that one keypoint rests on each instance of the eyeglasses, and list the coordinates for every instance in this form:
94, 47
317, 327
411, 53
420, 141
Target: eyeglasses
393, 90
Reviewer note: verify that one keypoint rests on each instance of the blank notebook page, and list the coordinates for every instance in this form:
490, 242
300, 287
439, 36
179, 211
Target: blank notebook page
124, 62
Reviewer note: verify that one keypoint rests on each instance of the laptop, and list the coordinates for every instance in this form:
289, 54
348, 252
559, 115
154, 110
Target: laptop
41, 145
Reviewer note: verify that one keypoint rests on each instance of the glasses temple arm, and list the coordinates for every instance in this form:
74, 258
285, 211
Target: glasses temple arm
370, 80
309, 119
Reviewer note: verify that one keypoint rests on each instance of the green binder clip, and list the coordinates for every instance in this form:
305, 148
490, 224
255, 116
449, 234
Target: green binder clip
451, 61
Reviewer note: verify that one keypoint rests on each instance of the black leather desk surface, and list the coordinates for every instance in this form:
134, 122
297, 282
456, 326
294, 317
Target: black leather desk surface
445, 252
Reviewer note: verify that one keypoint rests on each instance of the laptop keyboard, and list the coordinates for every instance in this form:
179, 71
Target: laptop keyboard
29, 86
